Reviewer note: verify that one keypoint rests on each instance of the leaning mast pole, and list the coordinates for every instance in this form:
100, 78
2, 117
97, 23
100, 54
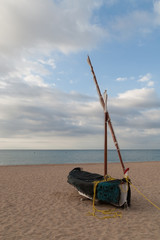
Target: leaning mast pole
106, 119
104, 106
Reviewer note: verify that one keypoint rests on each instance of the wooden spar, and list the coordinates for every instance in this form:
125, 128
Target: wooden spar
115, 142
105, 144
106, 119
105, 133
95, 80
105, 115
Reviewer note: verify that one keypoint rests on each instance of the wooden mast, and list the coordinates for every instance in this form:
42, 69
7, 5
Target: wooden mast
105, 115
105, 133
106, 119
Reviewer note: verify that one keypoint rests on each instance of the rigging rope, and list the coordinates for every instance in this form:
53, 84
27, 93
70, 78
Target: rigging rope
112, 213
108, 213
127, 179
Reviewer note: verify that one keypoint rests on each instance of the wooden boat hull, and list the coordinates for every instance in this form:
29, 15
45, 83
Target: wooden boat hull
116, 192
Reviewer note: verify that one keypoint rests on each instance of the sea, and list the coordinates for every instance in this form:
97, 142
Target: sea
37, 157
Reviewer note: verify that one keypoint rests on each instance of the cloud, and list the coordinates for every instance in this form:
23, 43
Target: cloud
150, 84
147, 120
136, 99
135, 23
156, 6
24, 70
146, 79
31, 33
40, 116
121, 79
67, 25
63, 25
34, 113
135, 115
50, 62
29, 110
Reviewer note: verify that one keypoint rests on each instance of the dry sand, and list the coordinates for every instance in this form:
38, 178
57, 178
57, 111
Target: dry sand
36, 202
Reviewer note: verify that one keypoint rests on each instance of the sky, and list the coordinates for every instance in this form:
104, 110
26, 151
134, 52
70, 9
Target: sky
48, 99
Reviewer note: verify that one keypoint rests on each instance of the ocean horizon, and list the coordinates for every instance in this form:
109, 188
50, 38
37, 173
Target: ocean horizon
37, 157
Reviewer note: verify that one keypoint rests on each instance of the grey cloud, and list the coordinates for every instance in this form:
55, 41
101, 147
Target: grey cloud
45, 111
136, 116
63, 25
135, 100
34, 112
31, 30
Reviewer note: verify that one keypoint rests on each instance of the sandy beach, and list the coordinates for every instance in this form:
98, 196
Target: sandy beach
36, 202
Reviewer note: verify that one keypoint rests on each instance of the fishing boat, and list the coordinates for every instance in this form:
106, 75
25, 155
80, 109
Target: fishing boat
103, 187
